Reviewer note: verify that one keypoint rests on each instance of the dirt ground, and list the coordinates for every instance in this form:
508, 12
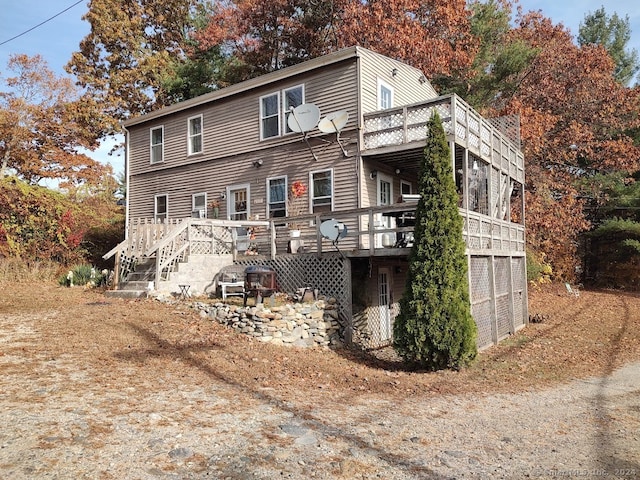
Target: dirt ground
111, 368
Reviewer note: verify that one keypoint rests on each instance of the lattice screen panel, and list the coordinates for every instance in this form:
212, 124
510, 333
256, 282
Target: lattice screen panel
330, 274
480, 281
207, 239
503, 315
519, 283
501, 274
482, 315
509, 292
379, 335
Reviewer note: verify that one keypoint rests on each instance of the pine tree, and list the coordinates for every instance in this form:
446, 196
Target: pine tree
434, 328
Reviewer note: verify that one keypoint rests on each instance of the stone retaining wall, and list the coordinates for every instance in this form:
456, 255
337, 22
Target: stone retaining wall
295, 324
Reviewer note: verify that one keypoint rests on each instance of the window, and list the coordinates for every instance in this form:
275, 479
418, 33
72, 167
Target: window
385, 95
199, 205
274, 114
270, 116
277, 197
292, 98
322, 191
195, 135
157, 144
478, 185
405, 187
161, 207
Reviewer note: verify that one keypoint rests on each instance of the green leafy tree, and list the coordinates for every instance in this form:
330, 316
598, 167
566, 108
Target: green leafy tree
613, 33
434, 328
495, 73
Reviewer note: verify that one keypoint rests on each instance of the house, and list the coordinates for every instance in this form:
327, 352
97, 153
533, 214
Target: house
208, 184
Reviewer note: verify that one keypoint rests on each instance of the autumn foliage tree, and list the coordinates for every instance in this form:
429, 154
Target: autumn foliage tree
43, 123
125, 59
38, 224
262, 37
575, 119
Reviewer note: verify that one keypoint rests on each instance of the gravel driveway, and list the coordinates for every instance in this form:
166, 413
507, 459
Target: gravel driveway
65, 417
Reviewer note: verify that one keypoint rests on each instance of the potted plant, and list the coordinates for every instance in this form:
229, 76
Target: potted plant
215, 208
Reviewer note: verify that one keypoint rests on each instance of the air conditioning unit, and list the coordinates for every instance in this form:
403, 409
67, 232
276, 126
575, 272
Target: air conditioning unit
409, 197
199, 213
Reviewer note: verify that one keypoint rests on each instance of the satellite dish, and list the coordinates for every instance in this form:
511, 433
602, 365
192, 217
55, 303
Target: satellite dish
333, 230
303, 118
334, 122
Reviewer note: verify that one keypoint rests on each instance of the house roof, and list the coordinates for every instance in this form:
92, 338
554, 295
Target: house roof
318, 62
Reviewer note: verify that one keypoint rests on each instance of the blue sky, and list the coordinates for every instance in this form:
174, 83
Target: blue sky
58, 38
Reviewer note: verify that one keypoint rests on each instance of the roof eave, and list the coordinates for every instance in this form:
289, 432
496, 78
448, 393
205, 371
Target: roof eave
319, 62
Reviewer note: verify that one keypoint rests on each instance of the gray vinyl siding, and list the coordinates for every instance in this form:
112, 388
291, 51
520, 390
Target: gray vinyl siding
214, 176
406, 85
231, 125
231, 137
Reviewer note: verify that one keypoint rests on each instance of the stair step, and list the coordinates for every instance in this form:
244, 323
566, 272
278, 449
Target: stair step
126, 293
140, 276
134, 285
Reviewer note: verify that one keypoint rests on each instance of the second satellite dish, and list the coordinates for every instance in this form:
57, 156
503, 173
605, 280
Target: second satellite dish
334, 122
303, 118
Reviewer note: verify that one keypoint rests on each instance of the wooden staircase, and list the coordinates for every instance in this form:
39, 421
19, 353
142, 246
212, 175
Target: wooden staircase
138, 282
154, 252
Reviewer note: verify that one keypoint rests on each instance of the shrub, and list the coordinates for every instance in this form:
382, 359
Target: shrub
84, 275
435, 328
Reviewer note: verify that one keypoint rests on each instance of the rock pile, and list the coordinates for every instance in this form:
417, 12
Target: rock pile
295, 324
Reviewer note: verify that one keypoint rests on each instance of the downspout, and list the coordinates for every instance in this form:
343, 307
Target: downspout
126, 181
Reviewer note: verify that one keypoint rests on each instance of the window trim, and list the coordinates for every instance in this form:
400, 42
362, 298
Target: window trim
286, 191
312, 197
193, 203
283, 111
405, 183
155, 206
191, 136
276, 115
151, 145
381, 84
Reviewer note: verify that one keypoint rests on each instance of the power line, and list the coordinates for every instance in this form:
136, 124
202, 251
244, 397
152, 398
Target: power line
41, 23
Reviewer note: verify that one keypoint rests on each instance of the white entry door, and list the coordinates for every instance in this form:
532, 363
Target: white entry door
238, 208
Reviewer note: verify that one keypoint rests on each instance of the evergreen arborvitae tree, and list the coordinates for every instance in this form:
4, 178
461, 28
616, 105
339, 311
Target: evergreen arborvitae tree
434, 328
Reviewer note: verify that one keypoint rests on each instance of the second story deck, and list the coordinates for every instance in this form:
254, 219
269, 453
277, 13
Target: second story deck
395, 132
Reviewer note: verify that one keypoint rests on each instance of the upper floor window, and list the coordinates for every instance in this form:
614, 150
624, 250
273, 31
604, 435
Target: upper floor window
277, 197
322, 191
270, 116
157, 144
292, 98
195, 135
275, 109
385, 95
161, 207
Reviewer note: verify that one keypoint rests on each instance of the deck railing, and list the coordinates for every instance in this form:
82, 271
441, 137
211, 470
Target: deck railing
373, 231
495, 140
